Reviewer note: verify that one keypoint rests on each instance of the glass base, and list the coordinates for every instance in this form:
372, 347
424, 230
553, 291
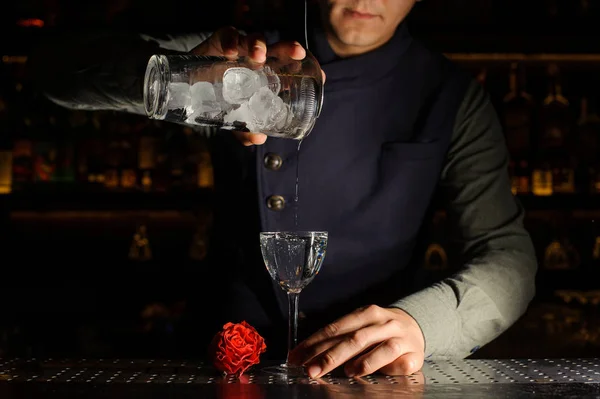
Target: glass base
286, 370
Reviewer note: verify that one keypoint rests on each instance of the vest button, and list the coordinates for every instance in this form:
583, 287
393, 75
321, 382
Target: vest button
276, 202
273, 161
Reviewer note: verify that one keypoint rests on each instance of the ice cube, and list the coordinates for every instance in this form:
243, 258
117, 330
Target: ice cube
225, 106
267, 77
239, 84
264, 102
202, 91
203, 102
284, 118
206, 112
263, 112
178, 95
241, 114
267, 109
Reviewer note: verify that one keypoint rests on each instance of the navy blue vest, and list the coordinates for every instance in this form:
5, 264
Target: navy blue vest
368, 173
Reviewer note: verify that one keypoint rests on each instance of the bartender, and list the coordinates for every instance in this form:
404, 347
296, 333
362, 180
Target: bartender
400, 126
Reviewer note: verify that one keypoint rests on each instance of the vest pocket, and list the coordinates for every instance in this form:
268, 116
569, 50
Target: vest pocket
408, 175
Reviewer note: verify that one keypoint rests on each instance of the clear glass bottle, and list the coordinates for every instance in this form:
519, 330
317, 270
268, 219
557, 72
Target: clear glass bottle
281, 98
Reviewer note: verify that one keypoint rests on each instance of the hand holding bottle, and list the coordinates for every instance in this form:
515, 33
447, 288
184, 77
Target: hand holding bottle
230, 43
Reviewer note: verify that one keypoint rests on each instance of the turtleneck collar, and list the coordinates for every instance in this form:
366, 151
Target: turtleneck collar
356, 70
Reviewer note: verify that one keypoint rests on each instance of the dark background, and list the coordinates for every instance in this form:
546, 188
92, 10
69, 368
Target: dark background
71, 283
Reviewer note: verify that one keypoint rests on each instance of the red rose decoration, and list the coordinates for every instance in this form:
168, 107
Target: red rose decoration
236, 347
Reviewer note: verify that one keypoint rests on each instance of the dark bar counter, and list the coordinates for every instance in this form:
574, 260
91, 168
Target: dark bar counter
131, 378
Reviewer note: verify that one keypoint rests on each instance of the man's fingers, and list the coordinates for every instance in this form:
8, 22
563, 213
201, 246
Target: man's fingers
351, 322
287, 50
230, 43
406, 364
255, 47
353, 344
248, 139
303, 356
223, 42
286, 56
383, 354
227, 39
390, 357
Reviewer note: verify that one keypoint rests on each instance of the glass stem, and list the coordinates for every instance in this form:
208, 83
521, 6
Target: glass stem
292, 321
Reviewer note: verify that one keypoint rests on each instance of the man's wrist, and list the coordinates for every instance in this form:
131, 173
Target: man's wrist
412, 325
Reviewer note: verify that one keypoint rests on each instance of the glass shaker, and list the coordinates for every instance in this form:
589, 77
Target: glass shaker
280, 98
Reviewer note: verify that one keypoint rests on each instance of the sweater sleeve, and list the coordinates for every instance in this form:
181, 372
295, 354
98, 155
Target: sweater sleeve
101, 71
459, 314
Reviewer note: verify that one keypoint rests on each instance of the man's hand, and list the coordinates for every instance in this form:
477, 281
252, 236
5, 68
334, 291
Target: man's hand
228, 42
367, 340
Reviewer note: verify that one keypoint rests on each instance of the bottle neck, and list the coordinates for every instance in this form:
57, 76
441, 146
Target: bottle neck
482, 76
522, 76
512, 80
555, 92
583, 110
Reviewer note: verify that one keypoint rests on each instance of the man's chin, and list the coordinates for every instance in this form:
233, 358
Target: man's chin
357, 39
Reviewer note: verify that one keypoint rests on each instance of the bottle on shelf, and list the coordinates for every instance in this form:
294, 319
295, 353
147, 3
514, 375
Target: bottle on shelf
161, 176
92, 152
541, 179
556, 125
561, 254
199, 245
22, 158
111, 173
596, 250
147, 156
511, 175
177, 150
129, 163
552, 8
556, 119
589, 10
561, 9
140, 250
25, 130
205, 170
589, 239
583, 8
481, 76
5, 169
521, 178
563, 176
518, 113
587, 146
117, 132
6, 151
59, 133
79, 127
45, 149
190, 168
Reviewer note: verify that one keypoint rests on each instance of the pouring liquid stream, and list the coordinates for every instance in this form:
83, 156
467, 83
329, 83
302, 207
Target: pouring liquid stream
296, 191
